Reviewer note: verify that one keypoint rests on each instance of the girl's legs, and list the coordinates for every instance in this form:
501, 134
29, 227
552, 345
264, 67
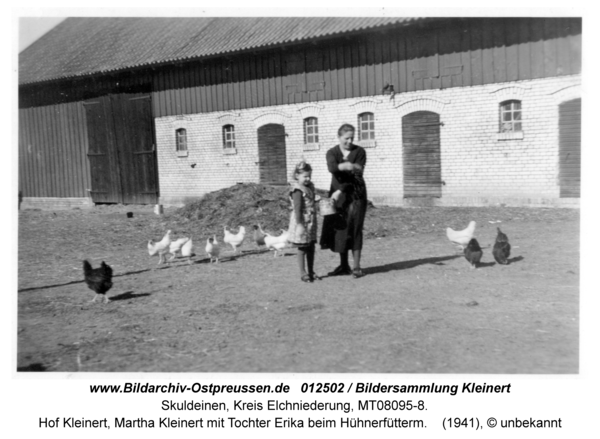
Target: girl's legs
302, 257
310, 259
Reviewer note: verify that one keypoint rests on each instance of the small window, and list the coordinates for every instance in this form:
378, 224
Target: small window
228, 137
181, 140
510, 117
311, 130
366, 126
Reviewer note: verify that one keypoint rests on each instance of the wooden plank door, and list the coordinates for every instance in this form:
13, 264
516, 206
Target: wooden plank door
121, 150
569, 123
271, 154
421, 155
137, 156
102, 152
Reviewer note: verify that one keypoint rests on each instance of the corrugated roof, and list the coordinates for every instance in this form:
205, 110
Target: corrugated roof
84, 46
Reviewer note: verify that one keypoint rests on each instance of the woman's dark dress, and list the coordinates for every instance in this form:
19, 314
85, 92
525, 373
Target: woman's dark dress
344, 230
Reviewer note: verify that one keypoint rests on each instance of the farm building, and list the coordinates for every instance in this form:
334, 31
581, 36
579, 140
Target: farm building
452, 111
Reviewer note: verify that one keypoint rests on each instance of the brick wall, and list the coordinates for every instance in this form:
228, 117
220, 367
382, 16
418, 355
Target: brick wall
478, 166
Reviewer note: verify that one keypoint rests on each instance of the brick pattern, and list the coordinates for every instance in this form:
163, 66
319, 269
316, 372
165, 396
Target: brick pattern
477, 167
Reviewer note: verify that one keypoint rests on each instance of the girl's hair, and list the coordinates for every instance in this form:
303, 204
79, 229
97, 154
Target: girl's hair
302, 167
345, 129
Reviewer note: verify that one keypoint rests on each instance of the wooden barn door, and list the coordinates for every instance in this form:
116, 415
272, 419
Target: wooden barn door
137, 155
569, 123
421, 155
121, 149
271, 154
102, 152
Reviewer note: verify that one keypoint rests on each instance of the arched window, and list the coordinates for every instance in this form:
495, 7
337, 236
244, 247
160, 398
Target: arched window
366, 127
228, 137
181, 140
311, 130
510, 116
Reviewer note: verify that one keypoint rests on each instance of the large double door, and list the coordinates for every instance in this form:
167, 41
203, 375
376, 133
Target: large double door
121, 149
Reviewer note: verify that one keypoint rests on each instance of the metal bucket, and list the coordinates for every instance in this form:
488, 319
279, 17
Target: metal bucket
327, 206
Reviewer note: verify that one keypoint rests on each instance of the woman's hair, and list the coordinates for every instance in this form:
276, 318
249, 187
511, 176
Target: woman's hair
302, 167
345, 129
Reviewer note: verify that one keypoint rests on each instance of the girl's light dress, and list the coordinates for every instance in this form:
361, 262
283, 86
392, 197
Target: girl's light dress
309, 215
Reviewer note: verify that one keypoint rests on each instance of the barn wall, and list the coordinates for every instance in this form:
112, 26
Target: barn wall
52, 152
450, 53
479, 165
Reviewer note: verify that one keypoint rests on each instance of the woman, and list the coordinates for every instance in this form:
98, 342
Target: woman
343, 231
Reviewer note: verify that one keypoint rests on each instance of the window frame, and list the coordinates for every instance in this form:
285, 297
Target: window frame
312, 138
228, 138
371, 141
513, 121
181, 142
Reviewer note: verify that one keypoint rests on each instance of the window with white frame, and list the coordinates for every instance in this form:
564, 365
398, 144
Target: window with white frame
366, 127
311, 130
181, 140
228, 137
510, 116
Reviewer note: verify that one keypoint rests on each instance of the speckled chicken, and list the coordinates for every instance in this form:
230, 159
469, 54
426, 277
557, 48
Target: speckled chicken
473, 253
98, 279
259, 236
501, 250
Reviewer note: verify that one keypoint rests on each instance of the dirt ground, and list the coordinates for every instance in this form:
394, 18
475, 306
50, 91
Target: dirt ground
419, 309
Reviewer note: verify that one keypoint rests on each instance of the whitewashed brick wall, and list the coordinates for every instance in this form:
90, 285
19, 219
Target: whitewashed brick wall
476, 165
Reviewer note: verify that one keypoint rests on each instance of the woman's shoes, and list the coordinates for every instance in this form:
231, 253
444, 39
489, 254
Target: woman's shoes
357, 272
313, 276
306, 278
340, 271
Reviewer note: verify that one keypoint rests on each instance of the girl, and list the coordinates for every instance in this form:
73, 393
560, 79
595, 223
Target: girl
303, 220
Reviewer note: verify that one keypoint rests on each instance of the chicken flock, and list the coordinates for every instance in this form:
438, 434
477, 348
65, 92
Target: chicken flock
100, 279
471, 248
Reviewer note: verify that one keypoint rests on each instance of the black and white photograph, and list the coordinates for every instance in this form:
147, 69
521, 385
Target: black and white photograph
371, 192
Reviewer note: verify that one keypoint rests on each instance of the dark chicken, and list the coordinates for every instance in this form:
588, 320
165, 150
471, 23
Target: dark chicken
501, 250
98, 279
473, 253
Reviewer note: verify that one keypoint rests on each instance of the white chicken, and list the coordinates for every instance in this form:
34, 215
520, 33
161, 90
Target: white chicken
176, 246
160, 248
461, 237
212, 249
277, 243
234, 240
187, 250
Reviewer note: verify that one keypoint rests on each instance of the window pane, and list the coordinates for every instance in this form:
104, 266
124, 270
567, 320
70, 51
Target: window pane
517, 105
517, 126
517, 115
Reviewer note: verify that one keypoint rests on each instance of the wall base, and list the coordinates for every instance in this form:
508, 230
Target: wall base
56, 203
573, 203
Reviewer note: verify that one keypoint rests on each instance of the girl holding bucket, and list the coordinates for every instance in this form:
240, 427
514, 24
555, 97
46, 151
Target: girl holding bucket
303, 220
343, 231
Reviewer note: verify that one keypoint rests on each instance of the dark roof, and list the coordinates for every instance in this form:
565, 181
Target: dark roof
84, 46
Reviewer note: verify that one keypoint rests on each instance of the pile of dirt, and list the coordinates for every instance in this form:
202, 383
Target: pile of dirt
242, 205
269, 206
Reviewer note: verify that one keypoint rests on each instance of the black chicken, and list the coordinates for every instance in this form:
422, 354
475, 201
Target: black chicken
473, 252
98, 279
501, 249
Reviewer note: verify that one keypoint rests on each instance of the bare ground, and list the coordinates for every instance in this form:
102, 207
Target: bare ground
420, 309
